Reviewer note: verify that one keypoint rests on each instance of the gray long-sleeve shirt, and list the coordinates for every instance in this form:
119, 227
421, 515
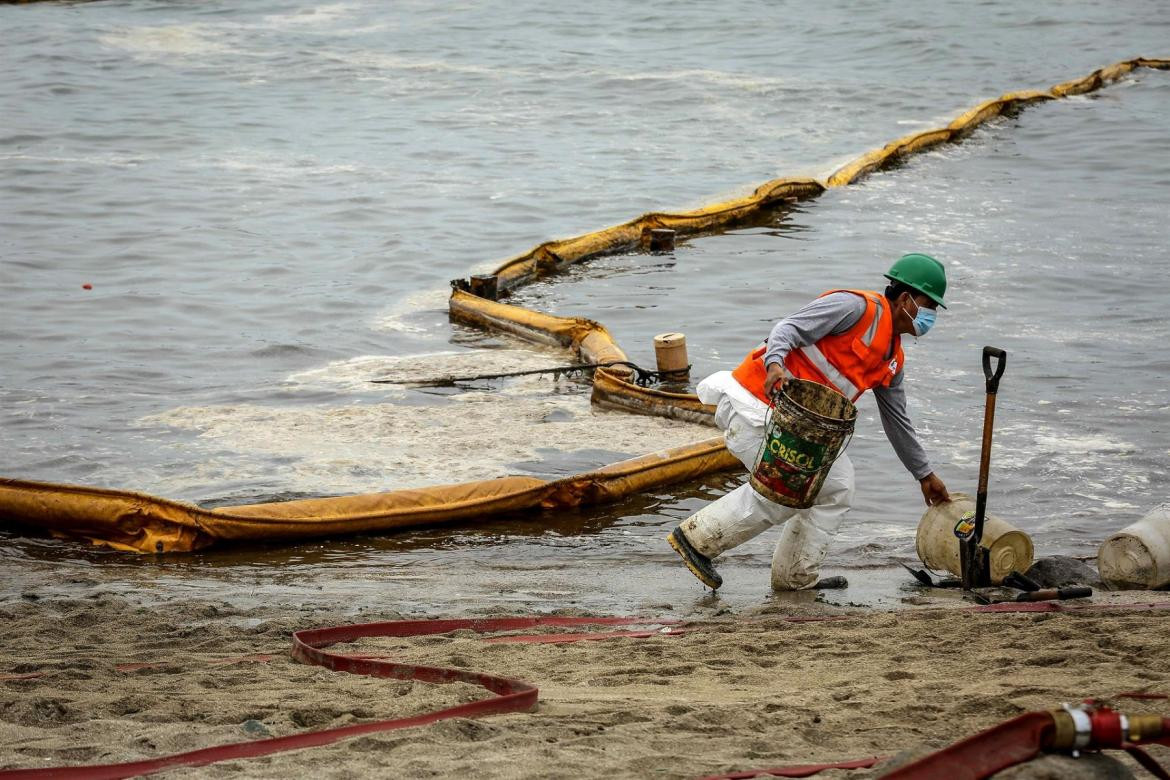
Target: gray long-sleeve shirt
834, 314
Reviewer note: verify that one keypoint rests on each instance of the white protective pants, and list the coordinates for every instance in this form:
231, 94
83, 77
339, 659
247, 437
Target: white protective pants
744, 513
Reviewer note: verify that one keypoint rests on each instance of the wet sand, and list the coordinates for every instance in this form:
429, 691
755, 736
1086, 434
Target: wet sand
120, 681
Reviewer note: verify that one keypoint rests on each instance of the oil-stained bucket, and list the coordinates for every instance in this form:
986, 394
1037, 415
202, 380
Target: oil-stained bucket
808, 428
1138, 556
1009, 549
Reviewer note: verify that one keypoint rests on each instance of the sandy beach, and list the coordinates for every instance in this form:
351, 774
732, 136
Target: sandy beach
104, 680
254, 253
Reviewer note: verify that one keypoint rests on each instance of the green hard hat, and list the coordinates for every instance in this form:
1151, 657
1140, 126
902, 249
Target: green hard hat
923, 273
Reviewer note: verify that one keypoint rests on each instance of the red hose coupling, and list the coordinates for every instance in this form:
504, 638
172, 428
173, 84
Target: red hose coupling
1097, 727
1108, 729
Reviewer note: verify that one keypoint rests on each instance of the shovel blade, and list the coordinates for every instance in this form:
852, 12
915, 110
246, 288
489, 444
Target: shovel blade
920, 575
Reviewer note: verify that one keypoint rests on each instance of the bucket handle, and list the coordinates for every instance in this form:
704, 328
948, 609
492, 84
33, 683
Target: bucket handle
779, 392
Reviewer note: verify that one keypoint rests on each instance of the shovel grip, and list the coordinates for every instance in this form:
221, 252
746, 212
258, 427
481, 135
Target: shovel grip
1001, 363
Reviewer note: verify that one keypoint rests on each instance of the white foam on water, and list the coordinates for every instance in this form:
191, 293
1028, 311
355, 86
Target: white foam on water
272, 166
169, 40
1079, 457
947, 373
1135, 481
311, 17
336, 20
1065, 444
744, 82
105, 160
396, 319
375, 447
397, 323
355, 374
380, 62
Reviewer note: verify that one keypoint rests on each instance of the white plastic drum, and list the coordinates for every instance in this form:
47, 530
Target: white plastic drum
1138, 556
1010, 549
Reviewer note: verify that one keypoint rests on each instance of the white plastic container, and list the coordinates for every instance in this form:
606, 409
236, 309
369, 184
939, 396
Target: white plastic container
1010, 549
1138, 556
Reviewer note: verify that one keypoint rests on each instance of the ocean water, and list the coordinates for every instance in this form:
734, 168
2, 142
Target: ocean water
269, 200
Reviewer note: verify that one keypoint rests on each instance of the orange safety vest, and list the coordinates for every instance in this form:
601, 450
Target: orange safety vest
867, 355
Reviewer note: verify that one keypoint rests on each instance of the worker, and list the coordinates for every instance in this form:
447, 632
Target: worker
851, 341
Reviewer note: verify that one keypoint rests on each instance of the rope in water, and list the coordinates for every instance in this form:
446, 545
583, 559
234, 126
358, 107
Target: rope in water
645, 377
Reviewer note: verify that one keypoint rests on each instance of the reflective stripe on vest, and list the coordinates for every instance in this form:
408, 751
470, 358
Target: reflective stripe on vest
867, 339
843, 385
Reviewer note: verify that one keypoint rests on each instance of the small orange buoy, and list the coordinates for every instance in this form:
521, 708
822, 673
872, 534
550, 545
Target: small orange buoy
87, 286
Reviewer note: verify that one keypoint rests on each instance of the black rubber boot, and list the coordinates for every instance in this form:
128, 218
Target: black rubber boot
699, 564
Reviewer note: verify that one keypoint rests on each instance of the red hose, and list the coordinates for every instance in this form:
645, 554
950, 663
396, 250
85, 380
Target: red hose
1018, 740
510, 695
1147, 761
983, 754
516, 695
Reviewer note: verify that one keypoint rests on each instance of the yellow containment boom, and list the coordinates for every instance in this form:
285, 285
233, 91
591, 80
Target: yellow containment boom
141, 523
138, 522
613, 388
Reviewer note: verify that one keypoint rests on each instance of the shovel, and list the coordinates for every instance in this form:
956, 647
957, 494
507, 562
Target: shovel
975, 565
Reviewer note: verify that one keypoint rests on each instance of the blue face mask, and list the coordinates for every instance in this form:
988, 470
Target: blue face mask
923, 320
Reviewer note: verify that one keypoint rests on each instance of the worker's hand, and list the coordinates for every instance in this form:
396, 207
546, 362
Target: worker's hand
933, 490
775, 378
